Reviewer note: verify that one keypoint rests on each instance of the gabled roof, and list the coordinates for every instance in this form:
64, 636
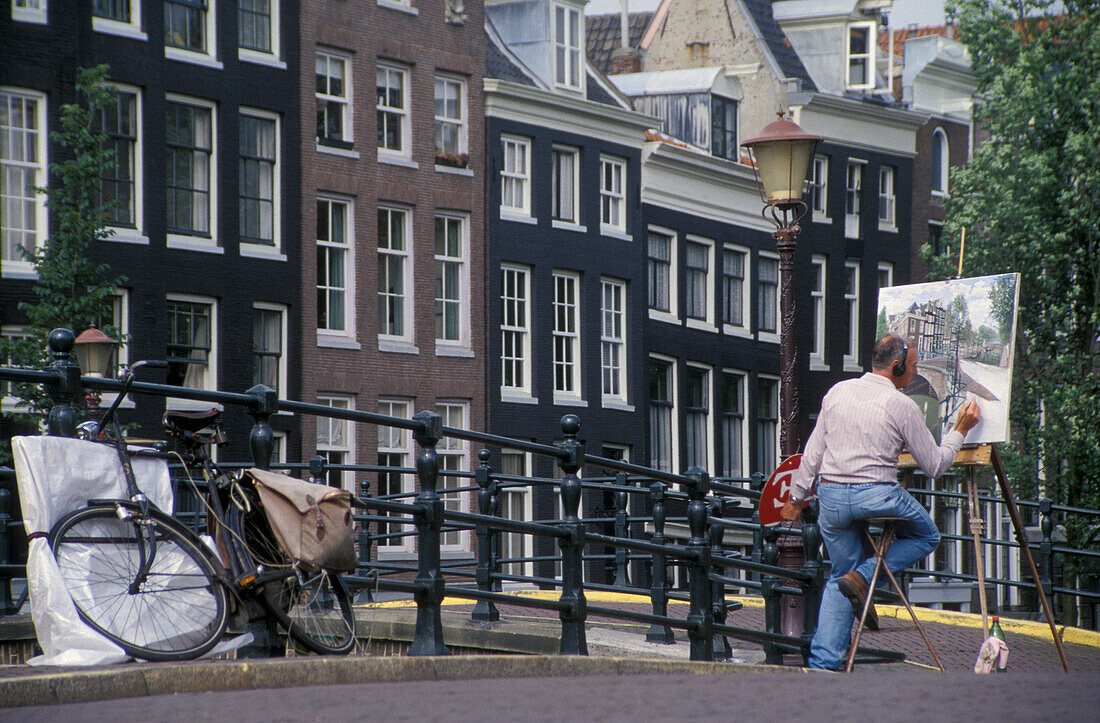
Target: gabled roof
603, 35
760, 14
502, 64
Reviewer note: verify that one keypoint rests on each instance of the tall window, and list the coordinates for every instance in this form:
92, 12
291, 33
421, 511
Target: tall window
333, 100
661, 406
817, 299
189, 173
567, 341
853, 199
254, 19
394, 452
185, 24
453, 457
885, 277
723, 127
567, 46
767, 424
851, 299
613, 194
393, 260
259, 179
734, 288
191, 343
111, 9
819, 189
268, 343
697, 416
515, 356
450, 275
450, 122
767, 291
117, 185
333, 250
393, 109
22, 170
334, 441
732, 398
660, 267
861, 55
515, 176
516, 505
697, 280
565, 179
887, 201
613, 339
940, 159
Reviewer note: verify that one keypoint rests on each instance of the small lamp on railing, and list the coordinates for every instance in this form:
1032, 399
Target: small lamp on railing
93, 351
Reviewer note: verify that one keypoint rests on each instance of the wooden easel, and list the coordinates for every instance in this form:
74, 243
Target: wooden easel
983, 455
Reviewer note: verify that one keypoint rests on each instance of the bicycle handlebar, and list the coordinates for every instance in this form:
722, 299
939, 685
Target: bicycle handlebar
126, 376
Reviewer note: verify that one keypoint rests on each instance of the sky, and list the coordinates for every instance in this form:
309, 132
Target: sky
904, 12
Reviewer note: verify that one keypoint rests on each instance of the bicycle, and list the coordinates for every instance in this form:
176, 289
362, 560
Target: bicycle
153, 587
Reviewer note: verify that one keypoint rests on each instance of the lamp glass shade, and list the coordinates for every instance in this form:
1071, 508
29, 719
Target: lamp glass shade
782, 166
93, 350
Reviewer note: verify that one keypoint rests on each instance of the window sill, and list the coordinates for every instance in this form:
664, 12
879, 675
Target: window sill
888, 228
193, 243
565, 400
731, 330
25, 15
821, 218
395, 553
334, 151
255, 56
257, 251
396, 159
115, 27
399, 7
569, 226
616, 404
455, 351
702, 325
126, 236
397, 346
767, 337
193, 57
817, 365
328, 341
851, 366
452, 170
615, 233
666, 316
517, 216
17, 270
517, 397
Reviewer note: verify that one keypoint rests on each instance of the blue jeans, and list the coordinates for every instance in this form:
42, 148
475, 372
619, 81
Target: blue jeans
843, 506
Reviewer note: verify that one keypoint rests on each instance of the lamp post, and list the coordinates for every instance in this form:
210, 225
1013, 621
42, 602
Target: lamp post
93, 351
781, 156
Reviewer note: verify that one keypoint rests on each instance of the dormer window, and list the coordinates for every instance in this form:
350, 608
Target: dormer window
861, 55
567, 47
723, 127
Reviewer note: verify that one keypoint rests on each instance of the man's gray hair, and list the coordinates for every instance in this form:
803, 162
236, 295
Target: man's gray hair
887, 350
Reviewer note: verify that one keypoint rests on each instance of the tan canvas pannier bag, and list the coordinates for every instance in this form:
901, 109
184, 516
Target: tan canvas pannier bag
312, 523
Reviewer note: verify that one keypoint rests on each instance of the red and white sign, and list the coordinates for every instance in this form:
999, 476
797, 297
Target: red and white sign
778, 490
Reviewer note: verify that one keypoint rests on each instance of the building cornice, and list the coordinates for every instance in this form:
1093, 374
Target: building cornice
858, 124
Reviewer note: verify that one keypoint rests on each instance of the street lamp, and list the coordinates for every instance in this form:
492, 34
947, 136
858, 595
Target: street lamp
93, 351
781, 156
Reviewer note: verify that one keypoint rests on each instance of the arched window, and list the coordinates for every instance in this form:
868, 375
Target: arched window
939, 161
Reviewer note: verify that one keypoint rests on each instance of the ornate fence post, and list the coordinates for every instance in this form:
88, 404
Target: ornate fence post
61, 421
756, 483
1046, 552
772, 611
498, 539
658, 584
720, 646
428, 638
811, 589
573, 640
700, 622
622, 522
261, 440
485, 610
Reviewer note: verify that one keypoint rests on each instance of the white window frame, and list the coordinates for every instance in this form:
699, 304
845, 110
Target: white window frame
570, 218
125, 234
210, 378
819, 265
19, 268
611, 338
674, 392
518, 175
708, 415
522, 392
125, 28
613, 197
32, 11
887, 268
274, 249
851, 353
887, 195
456, 414
346, 102
672, 315
402, 113
939, 139
768, 336
744, 329
342, 338
868, 58
280, 372
462, 345
566, 327
743, 393
707, 323
762, 465
399, 342
209, 55
461, 122
853, 196
269, 57
568, 61
397, 407
191, 241
338, 401
819, 182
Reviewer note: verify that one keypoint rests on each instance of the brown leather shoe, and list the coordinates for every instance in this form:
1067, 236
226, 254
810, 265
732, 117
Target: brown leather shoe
853, 587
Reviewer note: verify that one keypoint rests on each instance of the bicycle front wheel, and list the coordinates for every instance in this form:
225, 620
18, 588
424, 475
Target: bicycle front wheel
180, 610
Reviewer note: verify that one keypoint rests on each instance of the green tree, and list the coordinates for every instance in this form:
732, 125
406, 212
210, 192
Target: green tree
71, 290
1029, 203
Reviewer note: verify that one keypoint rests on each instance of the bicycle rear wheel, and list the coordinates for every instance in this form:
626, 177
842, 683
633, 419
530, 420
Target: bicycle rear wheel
314, 608
180, 611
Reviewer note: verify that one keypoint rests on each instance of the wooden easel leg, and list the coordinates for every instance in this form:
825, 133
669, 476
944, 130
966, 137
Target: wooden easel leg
977, 525
1021, 537
913, 615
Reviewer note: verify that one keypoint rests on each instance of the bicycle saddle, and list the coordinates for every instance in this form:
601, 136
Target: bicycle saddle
192, 421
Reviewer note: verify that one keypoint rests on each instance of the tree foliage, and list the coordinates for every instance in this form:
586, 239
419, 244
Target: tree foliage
1028, 200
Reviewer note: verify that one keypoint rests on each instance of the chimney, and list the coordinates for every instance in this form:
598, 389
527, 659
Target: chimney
625, 60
